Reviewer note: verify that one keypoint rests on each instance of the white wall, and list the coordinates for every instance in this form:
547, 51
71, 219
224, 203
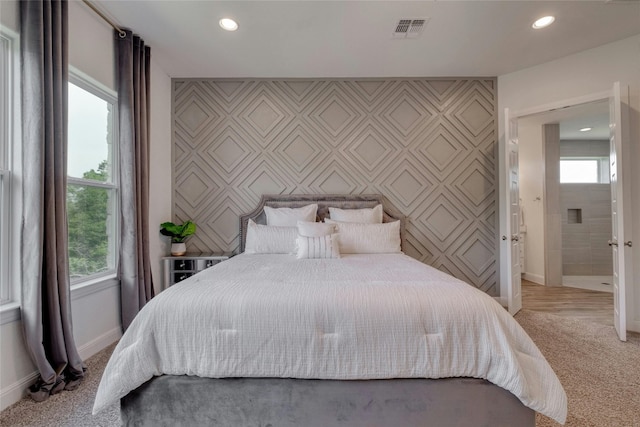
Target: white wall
91, 44
9, 14
582, 74
96, 308
531, 191
160, 180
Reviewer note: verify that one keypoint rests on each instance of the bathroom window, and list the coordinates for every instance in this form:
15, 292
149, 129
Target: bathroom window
586, 170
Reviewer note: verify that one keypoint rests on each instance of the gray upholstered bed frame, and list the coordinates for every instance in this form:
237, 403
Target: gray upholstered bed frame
279, 402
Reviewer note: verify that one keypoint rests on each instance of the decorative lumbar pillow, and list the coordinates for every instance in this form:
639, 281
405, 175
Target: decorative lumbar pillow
318, 247
368, 238
265, 239
315, 229
366, 215
289, 217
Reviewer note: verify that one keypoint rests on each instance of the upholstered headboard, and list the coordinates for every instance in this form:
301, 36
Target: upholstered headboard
324, 201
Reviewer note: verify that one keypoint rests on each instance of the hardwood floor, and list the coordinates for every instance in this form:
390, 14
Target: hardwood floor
587, 305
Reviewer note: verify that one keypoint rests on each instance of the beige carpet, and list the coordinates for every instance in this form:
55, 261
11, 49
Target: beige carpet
600, 374
69, 408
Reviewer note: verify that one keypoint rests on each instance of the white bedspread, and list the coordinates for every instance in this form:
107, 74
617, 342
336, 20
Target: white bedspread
358, 317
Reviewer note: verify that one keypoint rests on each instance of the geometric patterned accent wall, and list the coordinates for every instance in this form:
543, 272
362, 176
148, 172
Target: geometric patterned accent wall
427, 145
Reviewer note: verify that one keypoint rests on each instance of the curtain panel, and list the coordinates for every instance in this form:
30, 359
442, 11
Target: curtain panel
132, 71
46, 294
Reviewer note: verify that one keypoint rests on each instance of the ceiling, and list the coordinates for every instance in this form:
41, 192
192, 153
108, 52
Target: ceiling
306, 39
571, 119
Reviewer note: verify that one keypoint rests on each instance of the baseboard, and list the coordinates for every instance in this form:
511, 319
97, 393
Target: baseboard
535, 278
103, 341
633, 326
16, 391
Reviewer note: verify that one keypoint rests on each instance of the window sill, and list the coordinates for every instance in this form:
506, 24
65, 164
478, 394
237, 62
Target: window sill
10, 312
88, 287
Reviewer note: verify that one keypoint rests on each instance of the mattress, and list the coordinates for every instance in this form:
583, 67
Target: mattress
358, 317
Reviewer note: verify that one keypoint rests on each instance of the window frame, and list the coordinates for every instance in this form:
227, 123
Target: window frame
85, 82
10, 167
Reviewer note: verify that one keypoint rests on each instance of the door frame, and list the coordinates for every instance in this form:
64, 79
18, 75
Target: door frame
505, 270
619, 165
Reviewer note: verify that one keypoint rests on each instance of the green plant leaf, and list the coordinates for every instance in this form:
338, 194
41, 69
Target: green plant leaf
188, 228
178, 233
170, 229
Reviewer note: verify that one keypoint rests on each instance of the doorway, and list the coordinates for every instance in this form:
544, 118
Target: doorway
620, 162
565, 197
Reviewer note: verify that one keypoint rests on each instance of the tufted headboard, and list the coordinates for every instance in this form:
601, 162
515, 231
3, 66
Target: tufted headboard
324, 201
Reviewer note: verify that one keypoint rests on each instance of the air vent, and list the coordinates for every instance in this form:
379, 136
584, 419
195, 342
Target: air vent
409, 28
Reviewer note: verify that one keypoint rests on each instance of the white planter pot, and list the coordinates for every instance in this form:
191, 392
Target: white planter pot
178, 249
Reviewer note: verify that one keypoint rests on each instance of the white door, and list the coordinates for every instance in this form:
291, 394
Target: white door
621, 271
511, 231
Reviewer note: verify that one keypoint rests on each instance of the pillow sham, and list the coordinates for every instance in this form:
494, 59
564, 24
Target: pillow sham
265, 239
315, 229
366, 215
368, 238
289, 217
318, 247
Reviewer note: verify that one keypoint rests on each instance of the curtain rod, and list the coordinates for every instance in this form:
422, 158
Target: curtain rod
121, 33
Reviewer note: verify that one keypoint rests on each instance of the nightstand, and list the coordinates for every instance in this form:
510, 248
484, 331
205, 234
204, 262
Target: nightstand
178, 268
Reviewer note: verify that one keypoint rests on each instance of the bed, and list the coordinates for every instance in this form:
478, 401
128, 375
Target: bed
363, 340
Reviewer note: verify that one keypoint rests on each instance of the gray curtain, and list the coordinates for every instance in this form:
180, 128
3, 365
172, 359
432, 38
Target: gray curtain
46, 295
132, 74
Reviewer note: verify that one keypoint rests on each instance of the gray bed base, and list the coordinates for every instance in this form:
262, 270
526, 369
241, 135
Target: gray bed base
279, 402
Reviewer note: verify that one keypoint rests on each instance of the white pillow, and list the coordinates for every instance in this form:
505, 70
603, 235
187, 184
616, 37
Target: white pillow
315, 229
265, 239
366, 215
368, 238
289, 217
318, 247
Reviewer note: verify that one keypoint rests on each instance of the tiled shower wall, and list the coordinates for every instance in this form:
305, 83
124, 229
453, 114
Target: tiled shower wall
585, 251
427, 145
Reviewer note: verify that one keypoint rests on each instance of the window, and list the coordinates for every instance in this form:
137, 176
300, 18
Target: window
8, 116
92, 185
584, 170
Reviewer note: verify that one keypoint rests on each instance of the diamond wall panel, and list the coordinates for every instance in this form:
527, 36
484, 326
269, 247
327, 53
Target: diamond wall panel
427, 145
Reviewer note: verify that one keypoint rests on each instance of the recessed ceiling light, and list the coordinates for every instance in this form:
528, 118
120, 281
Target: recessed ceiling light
585, 129
228, 24
545, 21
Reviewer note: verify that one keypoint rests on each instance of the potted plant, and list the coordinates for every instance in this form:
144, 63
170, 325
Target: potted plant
178, 234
